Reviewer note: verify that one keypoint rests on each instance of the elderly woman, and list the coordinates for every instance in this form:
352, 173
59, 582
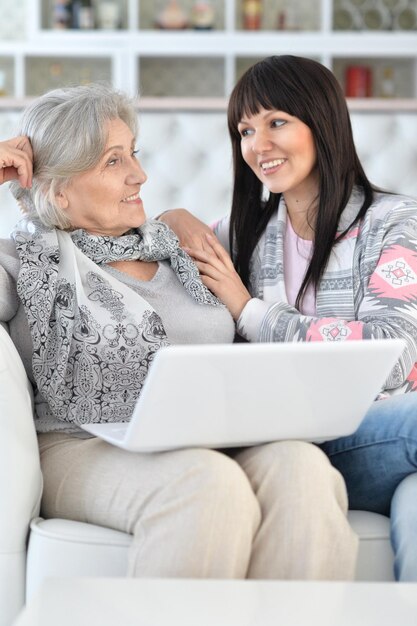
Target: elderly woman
91, 290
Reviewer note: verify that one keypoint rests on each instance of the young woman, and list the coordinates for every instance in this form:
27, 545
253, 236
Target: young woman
320, 254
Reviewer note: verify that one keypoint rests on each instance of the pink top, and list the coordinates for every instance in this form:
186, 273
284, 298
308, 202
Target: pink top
297, 254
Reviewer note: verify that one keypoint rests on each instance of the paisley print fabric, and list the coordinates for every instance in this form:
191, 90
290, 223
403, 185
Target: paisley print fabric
154, 241
93, 337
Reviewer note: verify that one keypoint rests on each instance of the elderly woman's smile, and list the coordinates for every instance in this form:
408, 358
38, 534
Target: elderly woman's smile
132, 198
105, 200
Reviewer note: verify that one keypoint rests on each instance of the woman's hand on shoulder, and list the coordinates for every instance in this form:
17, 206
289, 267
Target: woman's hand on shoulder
219, 275
189, 229
16, 160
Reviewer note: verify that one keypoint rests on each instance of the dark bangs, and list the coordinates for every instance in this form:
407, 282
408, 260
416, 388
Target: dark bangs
273, 83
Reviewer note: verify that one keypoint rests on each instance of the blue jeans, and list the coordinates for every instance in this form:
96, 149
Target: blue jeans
375, 462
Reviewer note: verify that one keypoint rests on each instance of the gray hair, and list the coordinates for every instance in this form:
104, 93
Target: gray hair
67, 130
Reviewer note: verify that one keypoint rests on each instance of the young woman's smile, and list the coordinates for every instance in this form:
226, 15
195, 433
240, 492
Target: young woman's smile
271, 166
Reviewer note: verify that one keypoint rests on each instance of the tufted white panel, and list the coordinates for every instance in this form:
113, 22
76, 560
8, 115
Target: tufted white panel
387, 147
187, 158
9, 212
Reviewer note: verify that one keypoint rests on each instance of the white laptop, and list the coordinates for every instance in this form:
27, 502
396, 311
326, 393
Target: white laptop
220, 395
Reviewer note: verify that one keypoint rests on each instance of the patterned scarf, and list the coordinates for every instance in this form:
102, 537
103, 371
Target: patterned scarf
93, 337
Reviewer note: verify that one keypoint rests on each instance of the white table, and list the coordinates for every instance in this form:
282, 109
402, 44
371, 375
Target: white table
137, 602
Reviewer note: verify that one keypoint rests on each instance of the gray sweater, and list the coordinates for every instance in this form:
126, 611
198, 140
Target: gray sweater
185, 320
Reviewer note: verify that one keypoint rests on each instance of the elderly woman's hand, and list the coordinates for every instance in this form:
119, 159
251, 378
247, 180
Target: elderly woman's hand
190, 230
16, 158
219, 275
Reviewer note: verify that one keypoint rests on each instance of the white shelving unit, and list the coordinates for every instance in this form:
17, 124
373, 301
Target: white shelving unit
182, 66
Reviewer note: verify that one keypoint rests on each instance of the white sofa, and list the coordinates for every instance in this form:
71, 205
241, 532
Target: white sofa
32, 548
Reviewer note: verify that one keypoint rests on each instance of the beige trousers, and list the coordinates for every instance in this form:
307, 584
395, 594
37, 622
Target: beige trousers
273, 511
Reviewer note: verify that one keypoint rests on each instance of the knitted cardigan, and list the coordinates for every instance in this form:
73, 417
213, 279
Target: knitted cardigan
368, 289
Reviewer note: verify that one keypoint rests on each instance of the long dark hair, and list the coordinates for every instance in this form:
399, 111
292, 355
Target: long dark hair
307, 90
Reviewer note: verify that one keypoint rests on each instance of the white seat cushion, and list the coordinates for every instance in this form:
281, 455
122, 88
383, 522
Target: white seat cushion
59, 547
375, 557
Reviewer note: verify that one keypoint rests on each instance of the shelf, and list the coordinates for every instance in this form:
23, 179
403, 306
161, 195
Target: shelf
238, 42
382, 104
164, 63
374, 105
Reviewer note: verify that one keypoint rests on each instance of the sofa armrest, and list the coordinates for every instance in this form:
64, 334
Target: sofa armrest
20, 476
20, 473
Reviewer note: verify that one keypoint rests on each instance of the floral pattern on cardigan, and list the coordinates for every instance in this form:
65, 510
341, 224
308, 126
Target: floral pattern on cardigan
368, 289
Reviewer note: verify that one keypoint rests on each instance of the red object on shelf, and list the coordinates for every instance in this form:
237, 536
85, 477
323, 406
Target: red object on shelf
358, 81
252, 14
